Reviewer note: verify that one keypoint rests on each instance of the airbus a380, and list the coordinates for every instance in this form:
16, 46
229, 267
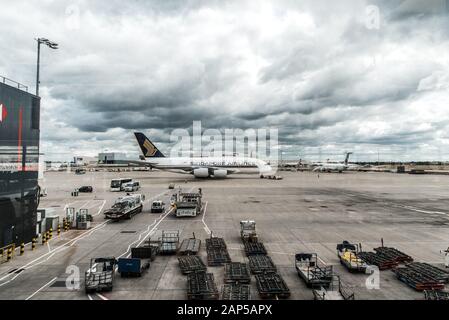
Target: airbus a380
200, 167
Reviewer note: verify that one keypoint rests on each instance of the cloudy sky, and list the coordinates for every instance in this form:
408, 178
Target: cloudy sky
370, 77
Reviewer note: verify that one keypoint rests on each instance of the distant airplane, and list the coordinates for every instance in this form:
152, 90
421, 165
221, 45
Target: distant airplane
332, 166
199, 167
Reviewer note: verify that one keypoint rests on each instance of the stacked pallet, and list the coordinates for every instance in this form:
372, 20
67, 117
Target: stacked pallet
190, 264
189, 246
436, 295
201, 286
237, 278
236, 291
381, 261
431, 271
261, 264
418, 280
393, 254
254, 248
271, 285
217, 252
236, 272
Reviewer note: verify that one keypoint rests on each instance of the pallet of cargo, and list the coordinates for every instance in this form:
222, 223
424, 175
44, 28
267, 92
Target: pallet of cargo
201, 286
271, 286
236, 272
436, 295
236, 291
382, 262
393, 254
189, 264
217, 257
429, 270
261, 264
189, 246
254, 248
215, 243
417, 280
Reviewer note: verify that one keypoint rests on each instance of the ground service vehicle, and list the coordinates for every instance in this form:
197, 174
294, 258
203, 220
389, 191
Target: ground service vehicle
85, 189
188, 204
132, 186
80, 171
248, 230
157, 206
125, 207
100, 275
119, 184
347, 253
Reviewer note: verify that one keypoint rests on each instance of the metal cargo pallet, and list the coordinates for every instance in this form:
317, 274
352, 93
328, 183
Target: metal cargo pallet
169, 242
215, 243
429, 270
236, 291
381, 262
236, 272
217, 257
253, 248
189, 246
261, 264
393, 254
201, 286
418, 281
436, 295
189, 264
271, 285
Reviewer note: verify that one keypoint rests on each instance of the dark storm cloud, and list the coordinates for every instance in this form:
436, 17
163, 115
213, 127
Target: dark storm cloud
312, 69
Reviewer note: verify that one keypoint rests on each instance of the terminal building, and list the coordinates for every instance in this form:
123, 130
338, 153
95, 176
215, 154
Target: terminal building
19, 163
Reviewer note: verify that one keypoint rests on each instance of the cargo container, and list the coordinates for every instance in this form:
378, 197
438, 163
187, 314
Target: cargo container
132, 267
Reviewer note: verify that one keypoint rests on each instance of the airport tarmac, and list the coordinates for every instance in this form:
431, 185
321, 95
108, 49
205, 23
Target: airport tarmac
304, 212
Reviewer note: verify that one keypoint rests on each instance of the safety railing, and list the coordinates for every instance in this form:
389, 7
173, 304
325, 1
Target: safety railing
13, 83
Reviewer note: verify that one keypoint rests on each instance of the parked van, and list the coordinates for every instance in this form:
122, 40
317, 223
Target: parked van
132, 186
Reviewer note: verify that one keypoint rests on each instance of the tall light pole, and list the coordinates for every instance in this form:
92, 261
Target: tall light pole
51, 45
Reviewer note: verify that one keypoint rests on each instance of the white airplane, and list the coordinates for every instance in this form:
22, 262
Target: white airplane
332, 166
200, 167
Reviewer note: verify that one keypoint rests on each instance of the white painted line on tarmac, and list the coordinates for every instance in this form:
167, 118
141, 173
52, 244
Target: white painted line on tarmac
90, 298
51, 253
149, 226
30, 264
41, 288
206, 228
101, 208
102, 296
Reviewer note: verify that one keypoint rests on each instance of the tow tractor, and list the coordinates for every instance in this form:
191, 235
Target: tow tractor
248, 230
125, 207
347, 253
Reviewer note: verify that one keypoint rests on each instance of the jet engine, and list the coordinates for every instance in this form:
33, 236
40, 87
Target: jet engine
220, 173
201, 173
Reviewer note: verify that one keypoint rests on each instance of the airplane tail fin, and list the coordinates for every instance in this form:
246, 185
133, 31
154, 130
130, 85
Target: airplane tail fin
347, 157
149, 150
